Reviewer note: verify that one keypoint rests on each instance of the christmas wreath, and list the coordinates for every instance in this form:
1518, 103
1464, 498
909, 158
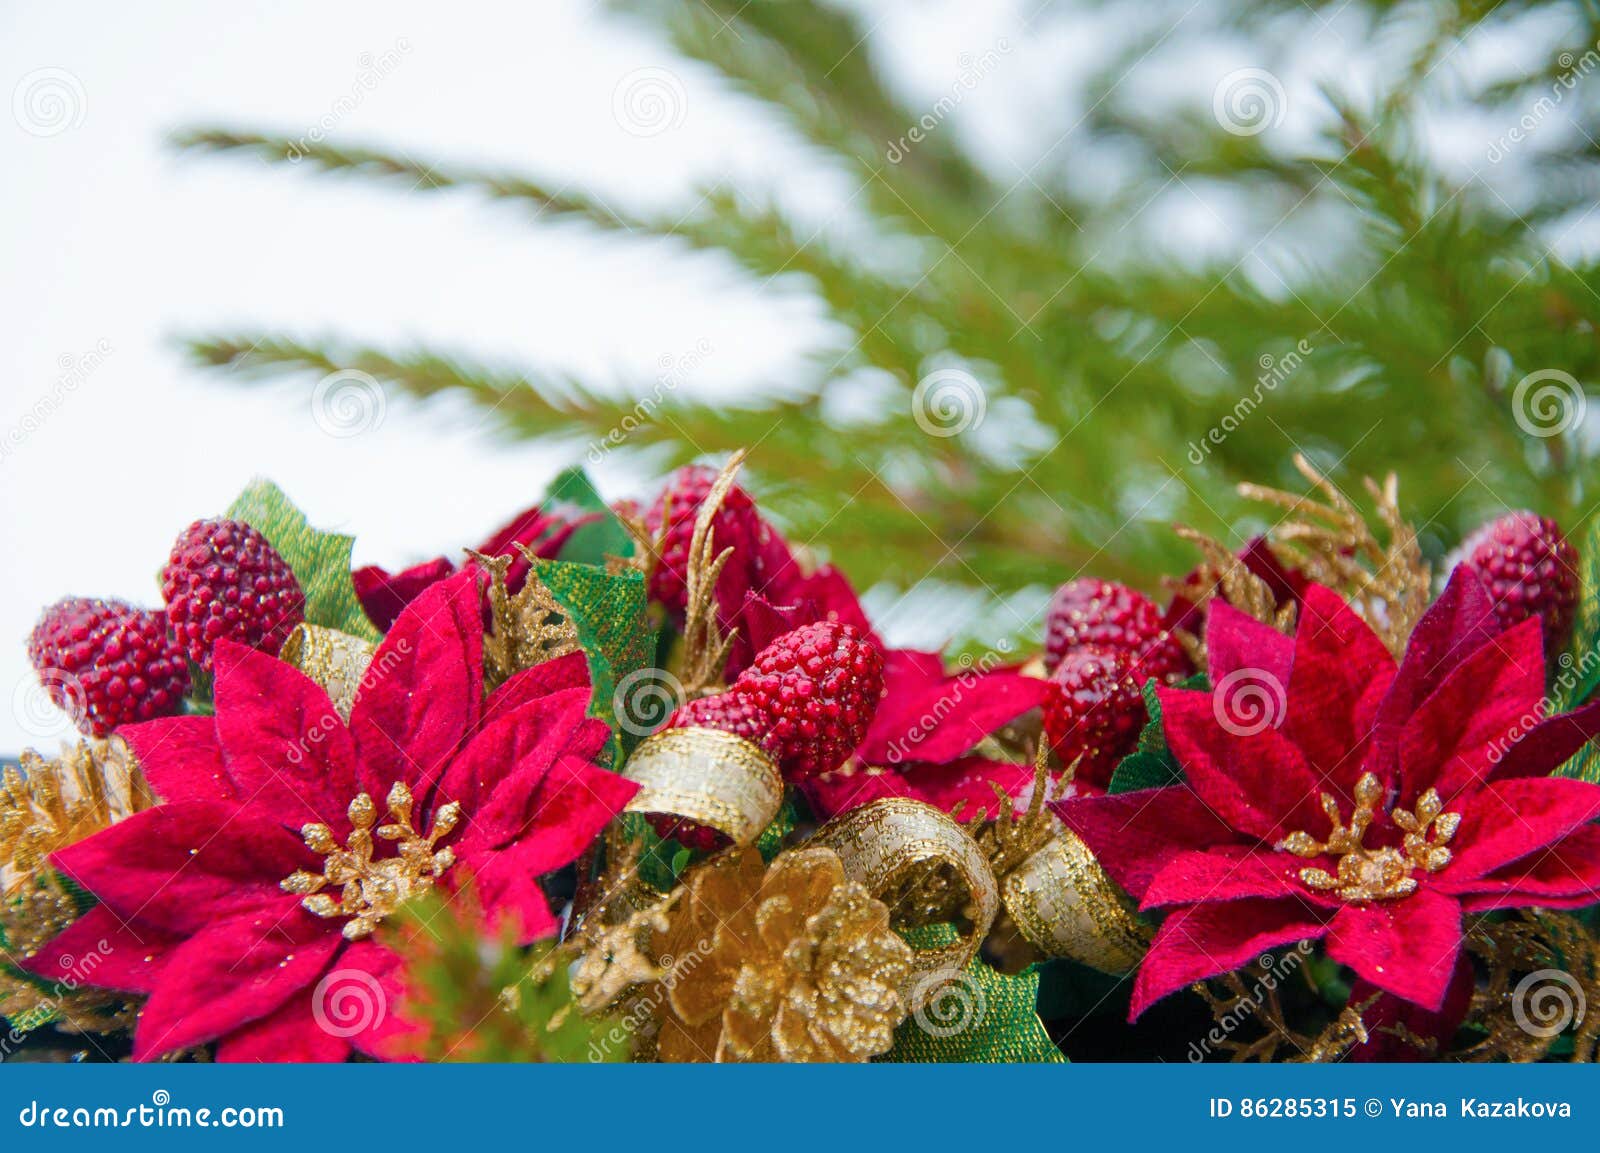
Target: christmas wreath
644, 783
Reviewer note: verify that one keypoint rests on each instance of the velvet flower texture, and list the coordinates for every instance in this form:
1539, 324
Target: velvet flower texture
1331, 795
924, 738
244, 901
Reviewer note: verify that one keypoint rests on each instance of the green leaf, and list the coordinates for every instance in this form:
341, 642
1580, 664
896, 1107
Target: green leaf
982, 1016
1151, 765
320, 560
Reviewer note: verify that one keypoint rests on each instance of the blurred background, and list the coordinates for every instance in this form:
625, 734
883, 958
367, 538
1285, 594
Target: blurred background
995, 293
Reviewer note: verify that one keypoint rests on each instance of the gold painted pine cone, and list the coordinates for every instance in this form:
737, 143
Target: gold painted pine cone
790, 962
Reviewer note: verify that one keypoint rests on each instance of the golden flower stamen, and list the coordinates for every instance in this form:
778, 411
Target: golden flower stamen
1376, 874
371, 890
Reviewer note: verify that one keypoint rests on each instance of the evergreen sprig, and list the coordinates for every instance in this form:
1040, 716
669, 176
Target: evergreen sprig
1380, 313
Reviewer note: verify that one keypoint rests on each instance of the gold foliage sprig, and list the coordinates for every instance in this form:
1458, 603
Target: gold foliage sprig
526, 629
1544, 980
1233, 1004
1330, 542
705, 648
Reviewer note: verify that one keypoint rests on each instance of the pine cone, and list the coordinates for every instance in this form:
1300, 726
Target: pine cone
787, 963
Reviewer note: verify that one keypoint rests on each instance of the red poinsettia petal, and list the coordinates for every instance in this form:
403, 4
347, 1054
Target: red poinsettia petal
1255, 780
1236, 641
285, 747
528, 739
505, 811
384, 595
1460, 622
1509, 820
507, 884
1384, 1040
1341, 673
1452, 741
555, 821
1548, 745
568, 672
290, 1033
101, 950
1229, 873
966, 781
181, 757
227, 976
183, 867
1135, 835
423, 692
944, 718
1407, 946
1203, 940
360, 999
1567, 872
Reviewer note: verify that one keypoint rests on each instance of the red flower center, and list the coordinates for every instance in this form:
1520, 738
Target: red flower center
371, 889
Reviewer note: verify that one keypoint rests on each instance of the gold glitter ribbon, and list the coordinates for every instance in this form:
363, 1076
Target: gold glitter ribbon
707, 776
335, 660
1065, 905
890, 842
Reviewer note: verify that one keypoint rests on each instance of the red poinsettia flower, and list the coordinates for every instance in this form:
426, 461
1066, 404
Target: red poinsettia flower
921, 738
383, 594
287, 834
1331, 795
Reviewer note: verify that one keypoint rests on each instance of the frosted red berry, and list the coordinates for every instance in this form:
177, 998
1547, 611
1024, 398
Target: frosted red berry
820, 685
731, 712
676, 509
223, 580
1110, 615
1095, 711
1530, 570
108, 663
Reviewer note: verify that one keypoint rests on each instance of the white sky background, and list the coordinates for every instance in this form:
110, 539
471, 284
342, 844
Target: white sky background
107, 236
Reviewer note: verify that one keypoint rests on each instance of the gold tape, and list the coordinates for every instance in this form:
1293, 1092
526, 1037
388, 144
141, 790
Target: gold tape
1065, 904
888, 842
337, 661
707, 776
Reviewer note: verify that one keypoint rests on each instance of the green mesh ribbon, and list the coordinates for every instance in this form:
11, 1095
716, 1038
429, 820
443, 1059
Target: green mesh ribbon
608, 610
320, 560
982, 1017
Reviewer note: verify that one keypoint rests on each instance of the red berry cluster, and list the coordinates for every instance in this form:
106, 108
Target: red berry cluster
676, 510
1096, 612
1094, 716
107, 663
808, 700
1530, 570
224, 580
1102, 642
